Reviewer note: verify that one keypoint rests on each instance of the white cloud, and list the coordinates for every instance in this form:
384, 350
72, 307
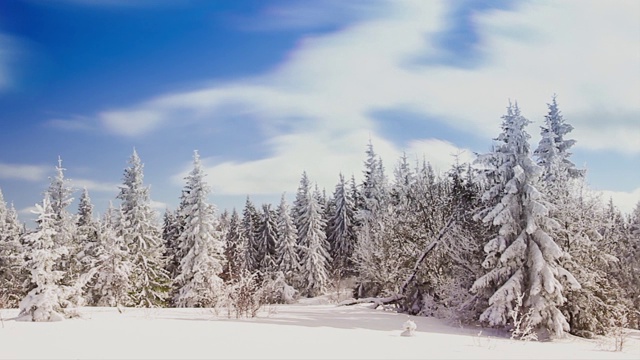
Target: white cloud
23, 172
586, 51
29, 211
625, 201
92, 185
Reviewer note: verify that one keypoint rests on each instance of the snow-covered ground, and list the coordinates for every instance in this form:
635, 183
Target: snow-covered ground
311, 329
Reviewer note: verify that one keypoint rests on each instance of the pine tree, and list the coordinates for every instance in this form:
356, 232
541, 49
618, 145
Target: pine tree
60, 194
341, 233
198, 281
45, 299
235, 249
553, 150
286, 246
113, 266
266, 240
172, 226
143, 238
314, 257
11, 261
250, 221
523, 261
87, 234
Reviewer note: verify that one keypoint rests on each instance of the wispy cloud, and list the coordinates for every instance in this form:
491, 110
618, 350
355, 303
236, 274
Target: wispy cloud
23, 172
95, 186
586, 51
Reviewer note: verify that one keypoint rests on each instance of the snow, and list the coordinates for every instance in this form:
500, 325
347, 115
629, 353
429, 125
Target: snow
312, 328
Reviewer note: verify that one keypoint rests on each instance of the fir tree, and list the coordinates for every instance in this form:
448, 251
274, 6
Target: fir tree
113, 266
142, 237
198, 281
266, 240
314, 257
250, 221
45, 299
11, 261
341, 234
286, 246
523, 261
235, 249
87, 234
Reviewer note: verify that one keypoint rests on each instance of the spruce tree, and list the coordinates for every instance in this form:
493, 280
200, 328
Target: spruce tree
250, 221
45, 298
113, 266
142, 237
523, 262
235, 250
287, 244
11, 260
314, 257
266, 240
198, 281
341, 232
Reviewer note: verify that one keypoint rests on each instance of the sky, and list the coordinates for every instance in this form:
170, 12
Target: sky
265, 90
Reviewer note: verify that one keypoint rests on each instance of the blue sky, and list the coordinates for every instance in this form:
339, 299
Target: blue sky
267, 89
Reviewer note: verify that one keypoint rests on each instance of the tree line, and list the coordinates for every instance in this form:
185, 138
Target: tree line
515, 239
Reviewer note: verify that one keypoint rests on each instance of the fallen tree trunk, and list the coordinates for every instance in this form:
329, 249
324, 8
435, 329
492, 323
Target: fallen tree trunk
394, 298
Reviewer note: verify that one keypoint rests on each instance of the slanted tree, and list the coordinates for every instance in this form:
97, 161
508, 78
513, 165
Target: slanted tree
142, 236
523, 262
235, 249
11, 260
287, 251
198, 281
45, 298
313, 244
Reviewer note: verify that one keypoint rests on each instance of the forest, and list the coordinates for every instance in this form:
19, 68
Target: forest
514, 240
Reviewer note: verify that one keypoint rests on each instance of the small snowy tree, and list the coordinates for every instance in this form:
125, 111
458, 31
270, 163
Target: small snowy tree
198, 281
45, 300
11, 261
142, 237
522, 259
286, 246
315, 256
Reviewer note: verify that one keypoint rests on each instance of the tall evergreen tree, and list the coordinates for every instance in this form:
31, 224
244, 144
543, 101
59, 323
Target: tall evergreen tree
60, 194
235, 249
523, 261
314, 257
171, 230
142, 236
250, 221
198, 281
113, 266
341, 232
45, 299
287, 244
87, 234
11, 260
266, 240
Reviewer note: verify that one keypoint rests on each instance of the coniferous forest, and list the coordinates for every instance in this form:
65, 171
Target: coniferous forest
515, 240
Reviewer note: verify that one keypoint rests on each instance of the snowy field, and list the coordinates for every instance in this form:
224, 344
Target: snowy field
313, 329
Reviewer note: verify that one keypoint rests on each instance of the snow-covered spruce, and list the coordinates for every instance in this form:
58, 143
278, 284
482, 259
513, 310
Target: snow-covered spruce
234, 250
45, 300
287, 258
314, 256
142, 236
266, 240
11, 263
522, 259
198, 281
340, 229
